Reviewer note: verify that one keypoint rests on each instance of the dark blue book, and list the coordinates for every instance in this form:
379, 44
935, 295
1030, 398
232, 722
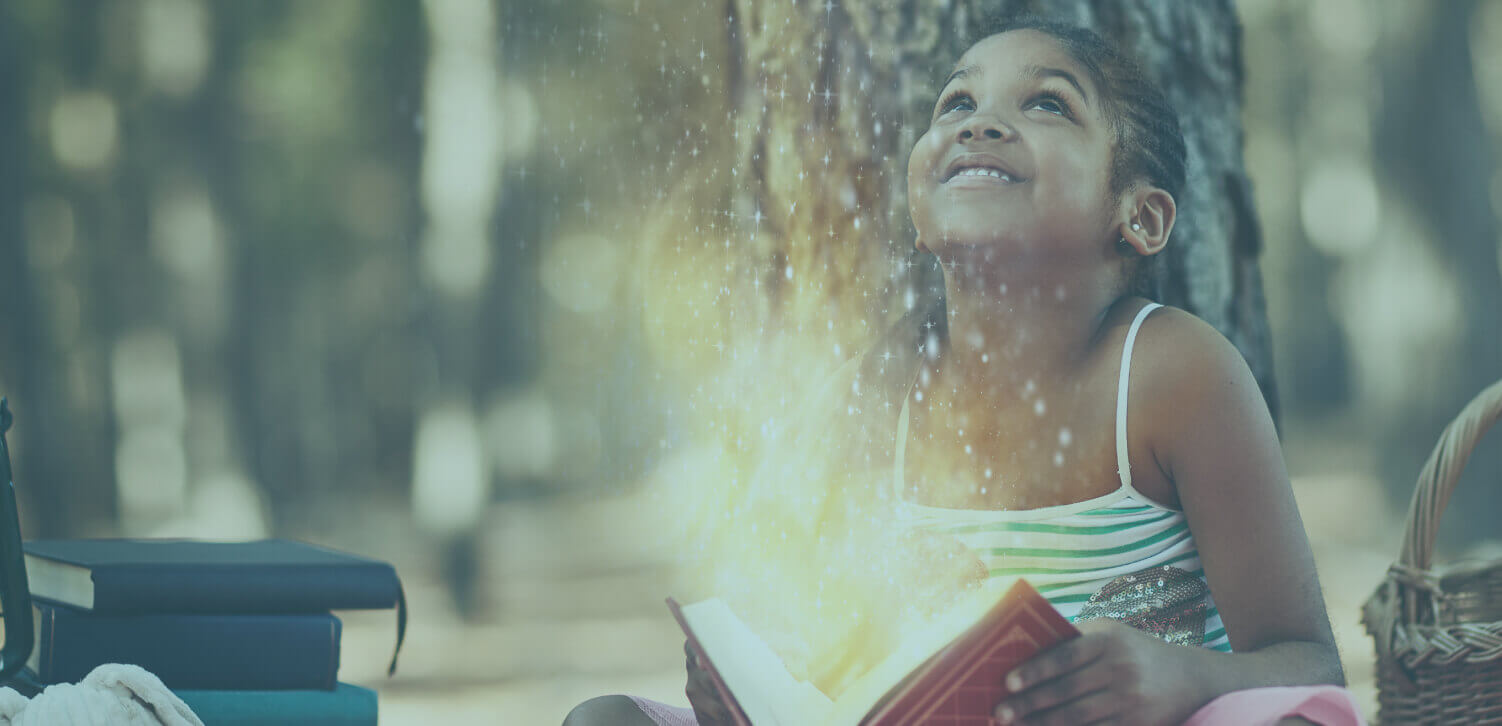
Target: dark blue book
273, 576
346, 705
226, 652
123, 576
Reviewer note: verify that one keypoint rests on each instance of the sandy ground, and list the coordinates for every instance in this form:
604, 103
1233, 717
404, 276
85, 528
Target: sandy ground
576, 605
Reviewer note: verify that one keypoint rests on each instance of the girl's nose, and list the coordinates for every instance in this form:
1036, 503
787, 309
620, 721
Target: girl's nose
986, 127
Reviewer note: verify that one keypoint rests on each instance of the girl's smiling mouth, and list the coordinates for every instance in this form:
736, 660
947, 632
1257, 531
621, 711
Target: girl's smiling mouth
983, 168
977, 175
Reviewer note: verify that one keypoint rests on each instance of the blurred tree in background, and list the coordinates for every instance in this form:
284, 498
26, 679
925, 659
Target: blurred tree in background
216, 231
1381, 212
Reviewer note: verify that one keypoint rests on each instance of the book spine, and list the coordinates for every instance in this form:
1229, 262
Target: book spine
231, 652
346, 705
243, 589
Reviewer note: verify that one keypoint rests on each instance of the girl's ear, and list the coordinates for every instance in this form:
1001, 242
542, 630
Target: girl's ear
1148, 214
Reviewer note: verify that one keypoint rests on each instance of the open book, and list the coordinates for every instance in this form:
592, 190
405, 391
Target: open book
948, 672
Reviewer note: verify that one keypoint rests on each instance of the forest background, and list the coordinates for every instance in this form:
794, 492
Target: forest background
388, 276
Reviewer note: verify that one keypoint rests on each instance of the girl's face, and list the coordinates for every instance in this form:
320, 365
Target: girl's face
1017, 157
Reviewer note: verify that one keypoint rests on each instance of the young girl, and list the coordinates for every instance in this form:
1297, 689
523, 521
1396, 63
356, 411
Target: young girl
1045, 184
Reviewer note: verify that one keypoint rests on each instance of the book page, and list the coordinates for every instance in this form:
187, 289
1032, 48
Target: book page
761, 684
62, 582
923, 642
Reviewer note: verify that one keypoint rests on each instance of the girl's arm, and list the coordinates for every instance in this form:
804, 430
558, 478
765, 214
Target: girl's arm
1211, 433
1197, 414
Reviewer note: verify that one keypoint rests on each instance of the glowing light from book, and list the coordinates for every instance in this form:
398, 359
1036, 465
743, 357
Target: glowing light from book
771, 493
751, 303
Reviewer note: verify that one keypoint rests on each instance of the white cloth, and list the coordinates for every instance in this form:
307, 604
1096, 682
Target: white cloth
111, 695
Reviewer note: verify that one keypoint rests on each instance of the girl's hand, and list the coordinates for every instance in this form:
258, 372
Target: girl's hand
708, 709
1113, 673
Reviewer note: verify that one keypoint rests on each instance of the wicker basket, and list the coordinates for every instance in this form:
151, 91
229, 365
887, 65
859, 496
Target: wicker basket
1438, 630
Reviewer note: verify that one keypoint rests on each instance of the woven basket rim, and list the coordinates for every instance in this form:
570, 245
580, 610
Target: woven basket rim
1414, 589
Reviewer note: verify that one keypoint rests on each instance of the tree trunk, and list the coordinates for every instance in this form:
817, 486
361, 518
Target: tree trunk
63, 439
830, 97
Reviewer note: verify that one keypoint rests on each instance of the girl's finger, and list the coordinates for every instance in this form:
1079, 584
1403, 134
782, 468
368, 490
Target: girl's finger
1064, 658
709, 709
1092, 708
1052, 694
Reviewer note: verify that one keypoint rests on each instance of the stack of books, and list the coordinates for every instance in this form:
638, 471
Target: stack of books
241, 631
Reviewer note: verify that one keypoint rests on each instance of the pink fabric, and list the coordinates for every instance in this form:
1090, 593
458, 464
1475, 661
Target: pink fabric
664, 714
1324, 705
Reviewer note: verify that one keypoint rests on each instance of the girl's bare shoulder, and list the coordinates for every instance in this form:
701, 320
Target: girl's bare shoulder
1177, 351
1187, 377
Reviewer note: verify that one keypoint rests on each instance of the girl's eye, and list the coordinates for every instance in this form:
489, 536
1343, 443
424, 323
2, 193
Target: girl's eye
954, 100
1051, 104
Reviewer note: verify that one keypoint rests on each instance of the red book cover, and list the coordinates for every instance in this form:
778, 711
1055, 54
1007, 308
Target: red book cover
959, 684
963, 682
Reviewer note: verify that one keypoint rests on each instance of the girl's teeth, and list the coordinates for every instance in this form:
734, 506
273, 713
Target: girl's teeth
977, 171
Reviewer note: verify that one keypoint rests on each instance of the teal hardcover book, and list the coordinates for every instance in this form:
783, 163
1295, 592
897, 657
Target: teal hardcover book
346, 705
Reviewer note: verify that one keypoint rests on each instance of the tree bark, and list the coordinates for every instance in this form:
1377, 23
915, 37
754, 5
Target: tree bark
829, 97
62, 440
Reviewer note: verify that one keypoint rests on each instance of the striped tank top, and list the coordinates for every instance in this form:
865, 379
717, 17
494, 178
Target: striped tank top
1069, 552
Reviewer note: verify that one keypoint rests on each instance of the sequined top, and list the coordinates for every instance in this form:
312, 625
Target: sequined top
1073, 551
